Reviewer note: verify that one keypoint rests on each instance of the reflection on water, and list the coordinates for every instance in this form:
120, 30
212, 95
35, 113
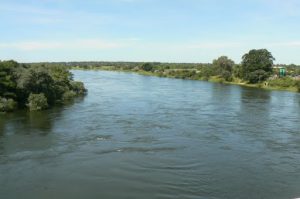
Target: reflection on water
145, 137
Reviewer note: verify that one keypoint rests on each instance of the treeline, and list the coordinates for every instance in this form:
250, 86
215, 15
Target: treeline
35, 86
121, 65
256, 69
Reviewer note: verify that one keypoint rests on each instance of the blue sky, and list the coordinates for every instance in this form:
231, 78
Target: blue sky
148, 30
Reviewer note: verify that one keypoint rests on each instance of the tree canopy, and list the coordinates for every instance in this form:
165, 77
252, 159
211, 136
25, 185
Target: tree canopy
147, 66
257, 65
35, 86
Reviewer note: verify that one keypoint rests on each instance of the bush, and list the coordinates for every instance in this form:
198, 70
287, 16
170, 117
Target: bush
37, 102
7, 105
147, 67
283, 82
297, 84
257, 76
226, 75
78, 88
68, 95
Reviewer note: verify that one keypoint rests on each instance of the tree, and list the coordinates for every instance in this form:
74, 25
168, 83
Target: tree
38, 80
257, 62
146, 67
223, 67
78, 88
223, 63
37, 102
7, 105
7, 83
257, 76
52, 84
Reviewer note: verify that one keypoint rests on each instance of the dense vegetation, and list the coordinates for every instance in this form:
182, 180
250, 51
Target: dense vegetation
35, 86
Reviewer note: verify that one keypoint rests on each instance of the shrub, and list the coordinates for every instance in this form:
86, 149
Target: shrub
78, 88
283, 82
257, 76
7, 105
37, 102
68, 95
226, 75
297, 84
147, 67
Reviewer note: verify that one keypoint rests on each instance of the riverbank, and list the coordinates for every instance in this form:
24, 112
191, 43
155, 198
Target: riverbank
235, 81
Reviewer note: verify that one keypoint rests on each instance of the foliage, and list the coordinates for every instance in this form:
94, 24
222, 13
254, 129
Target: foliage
223, 63
18, 82
298, 85
283, 82
237, 71
78, 88
7, 83
226, 75
257, 65
223, 67
68, 95
257, 76
7, 105
206, 72
38, 80
37, 102
146, 67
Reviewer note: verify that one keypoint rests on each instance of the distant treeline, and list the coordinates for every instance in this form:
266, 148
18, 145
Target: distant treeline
292, 69
35, 86
124, 65
256, 69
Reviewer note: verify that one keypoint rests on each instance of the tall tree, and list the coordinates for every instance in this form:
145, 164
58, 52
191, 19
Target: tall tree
223, 67
223, 63
7, 83
257, 65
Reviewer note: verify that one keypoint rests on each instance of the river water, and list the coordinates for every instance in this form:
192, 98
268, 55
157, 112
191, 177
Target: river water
144, 137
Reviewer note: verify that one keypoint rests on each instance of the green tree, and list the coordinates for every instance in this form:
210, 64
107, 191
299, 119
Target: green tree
37, 102
38, 80
257, 65
223, 67
34, 84
7, 81
78, 88
146, 67
7, 105
223, 63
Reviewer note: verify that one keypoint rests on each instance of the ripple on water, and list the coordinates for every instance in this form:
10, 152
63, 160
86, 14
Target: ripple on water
137, 150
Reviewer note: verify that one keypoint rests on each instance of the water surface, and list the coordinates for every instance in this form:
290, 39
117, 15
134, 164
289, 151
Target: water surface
145, 137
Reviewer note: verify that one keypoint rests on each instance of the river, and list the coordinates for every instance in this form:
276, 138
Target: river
145, 137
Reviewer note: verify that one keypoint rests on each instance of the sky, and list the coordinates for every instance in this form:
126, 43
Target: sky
195, 31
